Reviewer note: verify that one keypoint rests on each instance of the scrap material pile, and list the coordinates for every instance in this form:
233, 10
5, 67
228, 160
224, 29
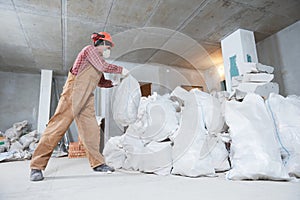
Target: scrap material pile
18, 142
255, 78
186, 133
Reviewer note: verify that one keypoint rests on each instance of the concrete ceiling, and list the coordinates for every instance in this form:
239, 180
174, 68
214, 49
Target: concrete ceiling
48, 34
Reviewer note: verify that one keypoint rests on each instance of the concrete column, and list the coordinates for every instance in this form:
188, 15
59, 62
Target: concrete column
45, 100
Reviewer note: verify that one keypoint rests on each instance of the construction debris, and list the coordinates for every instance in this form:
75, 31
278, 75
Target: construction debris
254, 78
168, 133
18, 142
199, 134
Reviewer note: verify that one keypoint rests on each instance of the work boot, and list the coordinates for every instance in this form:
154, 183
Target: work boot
36, 175
103, 168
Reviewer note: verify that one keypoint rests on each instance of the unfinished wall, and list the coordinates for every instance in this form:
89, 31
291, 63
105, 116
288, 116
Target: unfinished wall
282, 51
19, 97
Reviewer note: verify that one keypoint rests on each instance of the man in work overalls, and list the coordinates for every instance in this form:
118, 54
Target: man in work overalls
77, 102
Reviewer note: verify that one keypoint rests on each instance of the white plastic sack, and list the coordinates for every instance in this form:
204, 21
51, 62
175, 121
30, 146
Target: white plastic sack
212, 111
147, 157
114, 152
189, 156
255, 152
157, 119
125, 101
219, 155
286, 116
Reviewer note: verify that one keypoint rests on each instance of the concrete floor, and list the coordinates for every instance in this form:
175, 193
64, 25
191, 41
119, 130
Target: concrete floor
73, 179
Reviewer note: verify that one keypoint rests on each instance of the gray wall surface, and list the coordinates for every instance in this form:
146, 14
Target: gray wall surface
282, 51
19, 98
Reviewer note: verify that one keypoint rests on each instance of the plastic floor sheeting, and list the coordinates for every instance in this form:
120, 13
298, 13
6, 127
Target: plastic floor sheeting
73, 179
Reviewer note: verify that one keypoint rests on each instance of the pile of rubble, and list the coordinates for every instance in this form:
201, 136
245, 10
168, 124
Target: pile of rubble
254, 78
18, 142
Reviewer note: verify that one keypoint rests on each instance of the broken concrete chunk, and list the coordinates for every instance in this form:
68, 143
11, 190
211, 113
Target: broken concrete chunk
32, 146
267, 89
11, 133
27, 139
16, 146
248, 67
264, 68
257, 77
236, 80
4, 146
262, 89
20, 125
17, 130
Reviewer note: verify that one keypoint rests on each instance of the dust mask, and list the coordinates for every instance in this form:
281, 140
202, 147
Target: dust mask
106, 53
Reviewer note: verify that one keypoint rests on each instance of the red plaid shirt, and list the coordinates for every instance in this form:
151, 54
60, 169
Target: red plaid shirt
92, 55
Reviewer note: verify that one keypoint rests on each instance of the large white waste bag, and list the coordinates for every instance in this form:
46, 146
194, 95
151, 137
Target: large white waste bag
125, 101
114, 152
286, 115
147, 157
212, 111
219, 155
190, 157
255, 152
157, 119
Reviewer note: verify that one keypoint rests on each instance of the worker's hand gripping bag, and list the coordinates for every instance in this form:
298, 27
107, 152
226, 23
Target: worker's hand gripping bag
255, 152
125, 101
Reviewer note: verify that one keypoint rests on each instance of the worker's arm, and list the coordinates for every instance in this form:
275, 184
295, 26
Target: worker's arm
98, 62
104, 83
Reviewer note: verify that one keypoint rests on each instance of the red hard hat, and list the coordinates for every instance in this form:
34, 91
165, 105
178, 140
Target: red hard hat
102, 36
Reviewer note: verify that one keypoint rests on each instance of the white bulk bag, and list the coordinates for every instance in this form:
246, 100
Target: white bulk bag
157, 119
147, 157
125, 101
114, 152
190, 158
286, 116
255, 152
219, 155
212, 111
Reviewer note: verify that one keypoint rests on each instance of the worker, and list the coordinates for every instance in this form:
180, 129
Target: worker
77, 102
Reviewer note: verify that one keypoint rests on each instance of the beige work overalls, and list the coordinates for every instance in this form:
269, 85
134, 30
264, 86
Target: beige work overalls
76, 102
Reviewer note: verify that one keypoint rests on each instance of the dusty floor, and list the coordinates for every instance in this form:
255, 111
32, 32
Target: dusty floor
73, 179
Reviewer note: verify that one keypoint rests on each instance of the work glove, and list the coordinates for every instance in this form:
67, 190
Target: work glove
104, 83
124, 73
